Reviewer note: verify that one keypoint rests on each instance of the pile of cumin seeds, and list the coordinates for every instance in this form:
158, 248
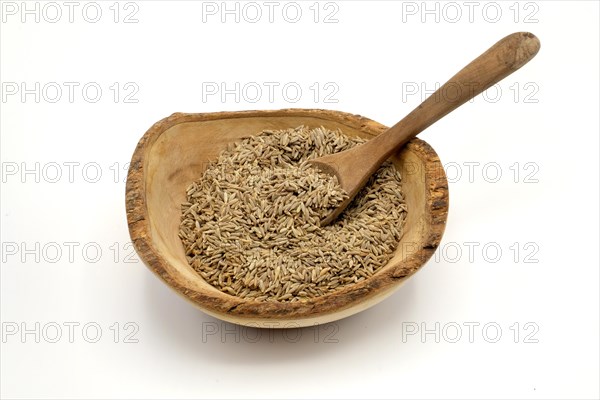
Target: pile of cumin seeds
251, 223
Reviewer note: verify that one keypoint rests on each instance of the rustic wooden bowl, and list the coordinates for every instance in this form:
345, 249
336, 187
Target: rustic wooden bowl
175, 151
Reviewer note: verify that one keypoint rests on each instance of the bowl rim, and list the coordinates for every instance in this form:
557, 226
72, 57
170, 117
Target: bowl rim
222, 304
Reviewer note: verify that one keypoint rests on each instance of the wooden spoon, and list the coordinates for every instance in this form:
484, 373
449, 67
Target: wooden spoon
354, 167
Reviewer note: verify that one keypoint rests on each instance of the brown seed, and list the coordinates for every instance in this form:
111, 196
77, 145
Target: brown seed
251, 224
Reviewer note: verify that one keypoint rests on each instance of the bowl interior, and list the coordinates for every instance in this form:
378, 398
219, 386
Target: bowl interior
177, 150
181, 154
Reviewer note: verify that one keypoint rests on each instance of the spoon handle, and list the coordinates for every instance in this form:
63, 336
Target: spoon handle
499, 61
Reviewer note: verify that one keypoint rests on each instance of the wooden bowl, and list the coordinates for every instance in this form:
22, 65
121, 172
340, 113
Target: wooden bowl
175, 151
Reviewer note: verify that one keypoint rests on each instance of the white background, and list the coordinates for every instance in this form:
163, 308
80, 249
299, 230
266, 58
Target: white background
543, 288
